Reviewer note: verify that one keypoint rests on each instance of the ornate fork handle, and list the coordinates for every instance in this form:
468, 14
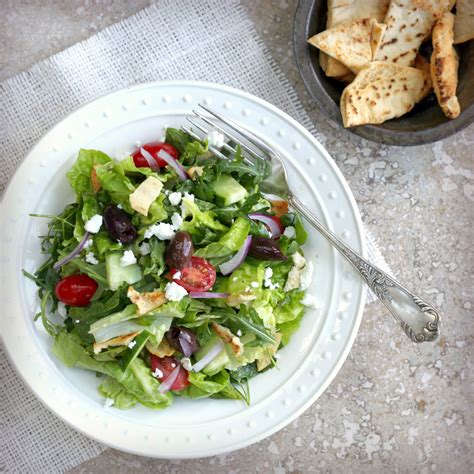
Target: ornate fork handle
419, 319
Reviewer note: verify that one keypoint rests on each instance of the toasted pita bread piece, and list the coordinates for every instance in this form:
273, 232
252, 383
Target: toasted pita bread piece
226, 335
114, 342
408, 22
422, 63
340, 11
352, 43
444, 66
382, 91
146, 301
162, 350
464, 21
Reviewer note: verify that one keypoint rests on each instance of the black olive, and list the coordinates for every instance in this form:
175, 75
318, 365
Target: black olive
179, 251
183, 340
119, 225
265, 249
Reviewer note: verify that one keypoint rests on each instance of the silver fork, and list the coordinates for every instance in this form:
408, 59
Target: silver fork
419, 319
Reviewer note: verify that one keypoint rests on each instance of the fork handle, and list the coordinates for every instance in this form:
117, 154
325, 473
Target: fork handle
419, 319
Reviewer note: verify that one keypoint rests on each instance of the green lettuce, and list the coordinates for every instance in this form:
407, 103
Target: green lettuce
202, 385
110, 388
229, 243
241, 279
290, 308
199, 219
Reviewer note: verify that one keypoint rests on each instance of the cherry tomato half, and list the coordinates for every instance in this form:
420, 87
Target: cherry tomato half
76, 290
200, 275
166, 365
279, 223
154, 148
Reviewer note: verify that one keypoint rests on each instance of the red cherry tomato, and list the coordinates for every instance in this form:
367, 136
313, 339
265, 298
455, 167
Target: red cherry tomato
200, 275
154, 148
166, 365
76, 290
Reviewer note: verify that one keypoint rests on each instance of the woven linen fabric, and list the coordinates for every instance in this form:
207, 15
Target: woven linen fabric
206, 40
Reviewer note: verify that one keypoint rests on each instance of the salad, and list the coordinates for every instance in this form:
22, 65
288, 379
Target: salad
172, 274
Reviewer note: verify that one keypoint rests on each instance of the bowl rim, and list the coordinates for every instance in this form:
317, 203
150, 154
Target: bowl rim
302, 19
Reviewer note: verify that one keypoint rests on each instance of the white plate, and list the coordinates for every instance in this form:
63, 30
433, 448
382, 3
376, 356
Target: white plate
116, 124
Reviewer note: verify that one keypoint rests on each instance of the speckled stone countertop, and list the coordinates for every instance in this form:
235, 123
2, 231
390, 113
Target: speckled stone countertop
394, 406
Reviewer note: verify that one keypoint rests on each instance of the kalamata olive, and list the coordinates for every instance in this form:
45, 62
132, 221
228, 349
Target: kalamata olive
179, 251
265, 249
118, 225
183, 340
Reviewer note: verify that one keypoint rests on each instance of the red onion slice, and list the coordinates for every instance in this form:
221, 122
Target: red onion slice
185, 345
207, 294
215, 350
237, 259
149, 159
74, 253
175, 164
273, 226
170, 380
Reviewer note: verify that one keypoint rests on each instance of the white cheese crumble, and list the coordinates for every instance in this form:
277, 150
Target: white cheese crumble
162, 230
289, 232
157, 373
254, 284
309, 300
88, 243
90, 258
299, 261
132, 344
108, 402
186, 363
174, 292
215, 139
268, 273
306, 276
94, 224
239, 332
144, 248
267, 282
119, 206
62, 309
176, 220
177, 275
189, 196
128, 258
276, 356
175, 198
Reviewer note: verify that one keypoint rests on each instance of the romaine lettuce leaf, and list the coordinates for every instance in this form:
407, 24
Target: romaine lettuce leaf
202, 385
199, 218
290, 308
241, 279
229, 243
110, 388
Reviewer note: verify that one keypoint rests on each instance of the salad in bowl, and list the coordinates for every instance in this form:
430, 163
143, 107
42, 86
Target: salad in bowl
172, 274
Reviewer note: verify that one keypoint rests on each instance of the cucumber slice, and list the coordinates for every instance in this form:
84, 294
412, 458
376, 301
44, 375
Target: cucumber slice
116, 274
229, 189
216, 364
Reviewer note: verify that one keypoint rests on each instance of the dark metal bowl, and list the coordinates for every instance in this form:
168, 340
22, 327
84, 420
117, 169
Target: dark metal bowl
426, 123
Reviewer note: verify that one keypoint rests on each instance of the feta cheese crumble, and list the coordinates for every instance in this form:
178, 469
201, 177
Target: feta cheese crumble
90, 258
215, 139
88, 243
108, 402
254, 284
177, 275
306, 276
289, 232
128, 258
175, 198
144, 249
157, 373
175, 292
162, 231
239, 332
309, 300
119, 206
186, 363
176, 220
267, 282
189, 196
94, 224
132, 344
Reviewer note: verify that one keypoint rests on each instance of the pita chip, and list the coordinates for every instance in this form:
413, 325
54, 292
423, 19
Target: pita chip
352, 43
340, 11
382, 91
464, 21
444, 66
408, 22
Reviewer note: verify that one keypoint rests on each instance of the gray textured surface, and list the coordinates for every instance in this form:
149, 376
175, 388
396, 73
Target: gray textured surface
394, 407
